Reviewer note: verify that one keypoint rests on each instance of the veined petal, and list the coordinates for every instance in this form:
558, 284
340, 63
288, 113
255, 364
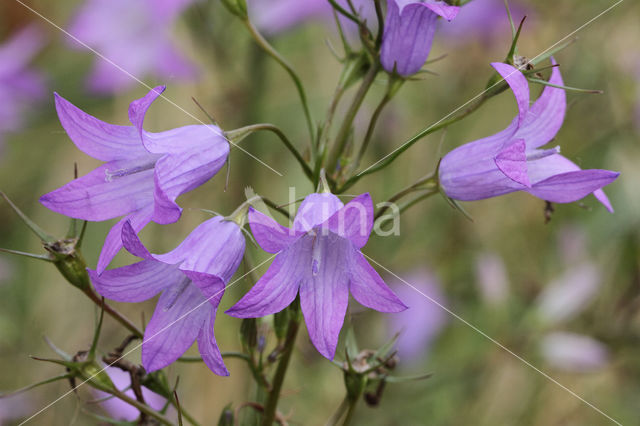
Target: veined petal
208, 347
315, 210
278, 287
369, 289
354, 221
555, 177
512, 161
324, 294
572, 186
138, 110
113, 242
270, 235
137, 282
545, 117
185, 138
178, 173
408, 35
518, 84
177, 320
113, 189
132, 243
214, 247
96, 138
211, 286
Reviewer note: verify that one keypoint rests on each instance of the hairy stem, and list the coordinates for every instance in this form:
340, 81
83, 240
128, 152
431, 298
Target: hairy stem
372, 125
271, 406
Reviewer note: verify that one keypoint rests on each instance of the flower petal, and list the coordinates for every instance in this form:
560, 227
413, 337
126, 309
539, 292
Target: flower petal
181, 172
559, 178
211, 286
518, 84
135, 283
324, 294
113, 243
278, 287
215, 247
546, 115
354, 221
315, 210
177, 320
512, 161
113, 189
269, 234
208, 347
369, 289
96, 138
138, 110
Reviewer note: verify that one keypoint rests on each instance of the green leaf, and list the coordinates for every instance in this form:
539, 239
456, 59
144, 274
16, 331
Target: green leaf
402, 379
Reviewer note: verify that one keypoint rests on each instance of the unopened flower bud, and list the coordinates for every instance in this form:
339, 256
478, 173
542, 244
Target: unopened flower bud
69, 262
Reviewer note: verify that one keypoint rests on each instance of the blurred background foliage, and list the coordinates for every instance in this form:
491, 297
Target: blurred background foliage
474, 381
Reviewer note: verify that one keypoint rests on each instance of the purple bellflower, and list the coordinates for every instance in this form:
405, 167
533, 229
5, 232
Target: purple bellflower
408, 33
423, 321
135, 35
191, 278
319, 258
144, 172
19, 85
511, 160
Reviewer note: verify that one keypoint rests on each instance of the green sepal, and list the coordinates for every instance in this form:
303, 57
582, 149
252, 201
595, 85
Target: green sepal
237, 7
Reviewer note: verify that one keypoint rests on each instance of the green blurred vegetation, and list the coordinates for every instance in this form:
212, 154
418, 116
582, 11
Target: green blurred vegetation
474, 381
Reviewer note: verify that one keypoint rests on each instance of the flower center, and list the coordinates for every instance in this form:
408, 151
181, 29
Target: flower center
177, 291
110, 175
541, 153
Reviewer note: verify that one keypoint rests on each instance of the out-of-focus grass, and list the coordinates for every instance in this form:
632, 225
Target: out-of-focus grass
474, 381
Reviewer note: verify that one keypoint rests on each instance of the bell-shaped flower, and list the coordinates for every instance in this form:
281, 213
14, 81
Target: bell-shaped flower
191, 279
408, 33
319, 258
512, 159
134, 35
144, 172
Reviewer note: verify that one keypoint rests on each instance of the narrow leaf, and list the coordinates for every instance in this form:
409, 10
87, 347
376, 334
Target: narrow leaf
40, 233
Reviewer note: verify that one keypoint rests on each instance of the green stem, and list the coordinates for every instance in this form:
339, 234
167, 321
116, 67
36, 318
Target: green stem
324, 132
395, 154
113, 313
276, 207
335, 418
140, 406
345, 129
371, 128
343, 12
416, 186
415, 201
266, 46
271, 406
350, 411
287, 143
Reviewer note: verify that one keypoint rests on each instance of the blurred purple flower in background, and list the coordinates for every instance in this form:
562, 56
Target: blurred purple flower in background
120, 410
144, 174
423, 321
566, 296
320, 258
274, 17
511, 159
491, 278
135, 35
573, 352
20, 87
191, 278
484, 21
15, 407
408, 33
